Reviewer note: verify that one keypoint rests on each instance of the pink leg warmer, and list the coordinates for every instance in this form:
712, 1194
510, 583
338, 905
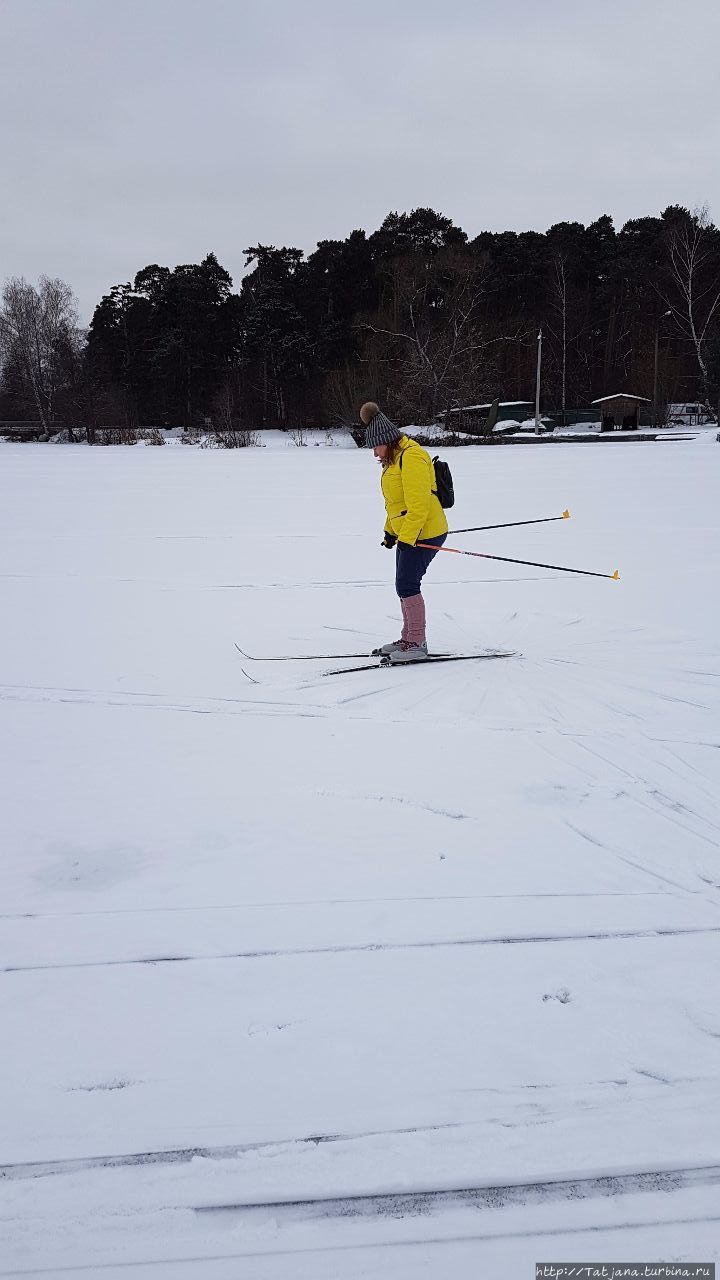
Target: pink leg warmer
404, 634
414, 612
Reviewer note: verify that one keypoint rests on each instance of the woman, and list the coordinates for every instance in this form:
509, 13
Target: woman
414, 514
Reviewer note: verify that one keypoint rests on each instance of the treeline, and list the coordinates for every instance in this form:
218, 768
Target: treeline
416, 316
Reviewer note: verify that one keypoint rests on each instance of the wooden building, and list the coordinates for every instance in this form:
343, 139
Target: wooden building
620, 412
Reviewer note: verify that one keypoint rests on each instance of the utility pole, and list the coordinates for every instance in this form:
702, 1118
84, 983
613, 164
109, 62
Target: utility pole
655, 399
655, 374
537, 384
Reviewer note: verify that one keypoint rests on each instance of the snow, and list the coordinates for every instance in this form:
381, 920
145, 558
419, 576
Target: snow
393, 974
434, 433
471, 408
622, 395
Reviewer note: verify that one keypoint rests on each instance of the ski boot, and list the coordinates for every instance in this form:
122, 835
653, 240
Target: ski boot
384, 650
406, 652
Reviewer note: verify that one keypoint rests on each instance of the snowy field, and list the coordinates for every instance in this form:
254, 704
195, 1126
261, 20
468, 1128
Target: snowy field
406, 973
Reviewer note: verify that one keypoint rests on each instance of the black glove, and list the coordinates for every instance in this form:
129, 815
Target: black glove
389, 541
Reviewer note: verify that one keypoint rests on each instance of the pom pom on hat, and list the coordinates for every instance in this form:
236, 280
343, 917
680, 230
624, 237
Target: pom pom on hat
368, 411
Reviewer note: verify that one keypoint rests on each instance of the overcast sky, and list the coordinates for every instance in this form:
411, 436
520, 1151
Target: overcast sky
139, 131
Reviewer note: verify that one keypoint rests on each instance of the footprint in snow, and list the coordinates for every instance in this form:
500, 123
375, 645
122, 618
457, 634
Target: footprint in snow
562, 996
103, 1086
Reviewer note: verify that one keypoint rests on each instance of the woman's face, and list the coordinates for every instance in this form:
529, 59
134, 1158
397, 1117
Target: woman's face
380, 452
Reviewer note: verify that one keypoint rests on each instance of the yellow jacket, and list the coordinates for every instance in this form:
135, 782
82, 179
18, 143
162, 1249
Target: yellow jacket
413, 509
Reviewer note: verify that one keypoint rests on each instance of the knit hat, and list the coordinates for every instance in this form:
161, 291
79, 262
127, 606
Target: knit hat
380, 430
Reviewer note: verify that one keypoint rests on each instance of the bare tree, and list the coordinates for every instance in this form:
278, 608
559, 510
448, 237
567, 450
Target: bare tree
225, 423
435, 329
346, 388
38, 328
695, 272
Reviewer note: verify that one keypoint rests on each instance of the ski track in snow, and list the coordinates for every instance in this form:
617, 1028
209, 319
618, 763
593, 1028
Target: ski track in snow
577, 784
423, 1203
619, 935
385, 1251
426, 808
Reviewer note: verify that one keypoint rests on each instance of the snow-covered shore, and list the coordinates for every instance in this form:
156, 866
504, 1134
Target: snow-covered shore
341, 437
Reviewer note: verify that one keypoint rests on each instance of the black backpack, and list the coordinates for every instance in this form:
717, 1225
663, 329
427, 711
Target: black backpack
445, 491
444, 481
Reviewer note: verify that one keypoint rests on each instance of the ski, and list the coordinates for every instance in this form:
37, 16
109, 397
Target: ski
314, 657
300, 657
420, 662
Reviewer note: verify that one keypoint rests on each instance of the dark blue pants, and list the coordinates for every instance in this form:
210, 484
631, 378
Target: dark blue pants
411, 564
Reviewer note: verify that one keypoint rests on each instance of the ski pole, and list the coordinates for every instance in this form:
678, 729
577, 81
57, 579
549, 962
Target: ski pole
482, 555
513, 524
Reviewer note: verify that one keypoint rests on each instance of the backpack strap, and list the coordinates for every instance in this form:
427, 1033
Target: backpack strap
400, 466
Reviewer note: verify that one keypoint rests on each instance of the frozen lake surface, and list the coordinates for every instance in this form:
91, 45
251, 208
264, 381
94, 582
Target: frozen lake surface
401, 973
